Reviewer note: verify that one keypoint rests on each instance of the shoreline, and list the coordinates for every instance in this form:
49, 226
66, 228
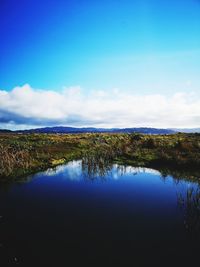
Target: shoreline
23, 155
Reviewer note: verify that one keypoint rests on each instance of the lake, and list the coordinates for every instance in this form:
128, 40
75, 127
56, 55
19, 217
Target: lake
124, 216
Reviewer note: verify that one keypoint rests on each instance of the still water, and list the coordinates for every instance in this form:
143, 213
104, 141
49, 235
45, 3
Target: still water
126, 217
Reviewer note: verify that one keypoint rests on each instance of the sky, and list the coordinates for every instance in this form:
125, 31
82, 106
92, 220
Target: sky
116, 63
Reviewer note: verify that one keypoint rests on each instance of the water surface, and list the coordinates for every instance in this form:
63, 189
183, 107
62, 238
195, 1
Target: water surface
126, 217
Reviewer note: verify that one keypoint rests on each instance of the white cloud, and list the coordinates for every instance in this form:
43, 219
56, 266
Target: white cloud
26, 107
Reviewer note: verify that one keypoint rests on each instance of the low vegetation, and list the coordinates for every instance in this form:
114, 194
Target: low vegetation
22, 154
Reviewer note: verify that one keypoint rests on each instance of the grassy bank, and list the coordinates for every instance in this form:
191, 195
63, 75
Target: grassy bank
22, 154
28, 153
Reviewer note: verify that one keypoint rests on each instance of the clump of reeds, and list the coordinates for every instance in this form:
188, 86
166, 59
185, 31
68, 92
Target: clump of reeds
190, 203
97, 160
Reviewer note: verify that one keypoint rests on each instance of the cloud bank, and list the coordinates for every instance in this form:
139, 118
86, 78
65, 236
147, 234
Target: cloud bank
26, 107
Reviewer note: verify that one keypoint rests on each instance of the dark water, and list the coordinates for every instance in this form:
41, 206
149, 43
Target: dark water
129, 217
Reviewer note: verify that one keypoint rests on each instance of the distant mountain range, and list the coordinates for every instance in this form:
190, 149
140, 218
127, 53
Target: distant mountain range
63, 129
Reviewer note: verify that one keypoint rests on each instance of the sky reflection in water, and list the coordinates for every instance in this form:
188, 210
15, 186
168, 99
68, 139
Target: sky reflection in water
63, 215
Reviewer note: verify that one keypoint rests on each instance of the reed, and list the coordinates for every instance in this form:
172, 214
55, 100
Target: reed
189, 202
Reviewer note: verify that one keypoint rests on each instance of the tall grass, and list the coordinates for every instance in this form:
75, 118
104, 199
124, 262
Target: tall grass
13, 158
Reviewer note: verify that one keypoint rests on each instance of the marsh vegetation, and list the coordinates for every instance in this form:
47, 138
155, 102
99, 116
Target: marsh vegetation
22, 154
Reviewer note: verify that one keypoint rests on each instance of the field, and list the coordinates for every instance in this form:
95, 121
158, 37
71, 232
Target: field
23, 154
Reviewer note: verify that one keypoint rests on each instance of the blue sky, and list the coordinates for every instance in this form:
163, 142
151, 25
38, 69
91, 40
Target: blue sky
142, 47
